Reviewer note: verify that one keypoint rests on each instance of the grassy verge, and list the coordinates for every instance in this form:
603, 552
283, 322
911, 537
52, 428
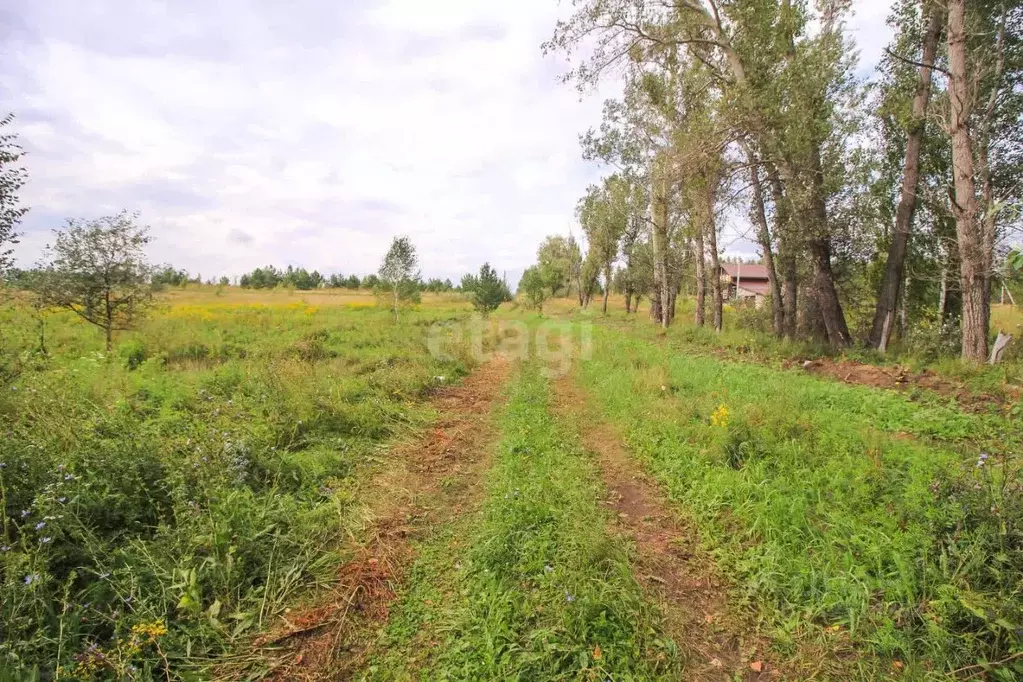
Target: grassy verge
843, 512
532, 587
160, 505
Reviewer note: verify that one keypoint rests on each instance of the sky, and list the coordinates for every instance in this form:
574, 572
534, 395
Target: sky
308, 132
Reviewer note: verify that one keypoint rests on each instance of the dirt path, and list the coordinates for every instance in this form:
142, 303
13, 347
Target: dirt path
668, 563
423, 483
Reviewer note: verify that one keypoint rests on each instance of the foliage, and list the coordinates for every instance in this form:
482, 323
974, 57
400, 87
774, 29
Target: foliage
399, 273
487, 290
12, 178
98, 269
847, 513
536, 285
159, 511
270, 277
561, 260
169, 276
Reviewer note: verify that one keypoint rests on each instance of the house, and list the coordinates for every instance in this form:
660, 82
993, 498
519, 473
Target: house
744, 282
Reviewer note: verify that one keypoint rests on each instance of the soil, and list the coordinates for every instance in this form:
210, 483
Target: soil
669, 561
900, 378
425, 482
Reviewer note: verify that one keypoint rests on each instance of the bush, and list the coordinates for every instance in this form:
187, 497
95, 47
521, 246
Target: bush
134, 353
930, 339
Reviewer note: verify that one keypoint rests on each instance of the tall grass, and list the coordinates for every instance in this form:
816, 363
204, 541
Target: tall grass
163, 504
835, 507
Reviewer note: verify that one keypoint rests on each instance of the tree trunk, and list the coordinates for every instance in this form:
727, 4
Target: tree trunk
904, 311
972, 275
715, 259
108, 317
660, 240
628, 301
787, 252
699, 260
943, 293
764, 237
607, 286
888, 297
820, 256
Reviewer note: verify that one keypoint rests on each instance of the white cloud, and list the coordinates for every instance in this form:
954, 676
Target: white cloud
308, 133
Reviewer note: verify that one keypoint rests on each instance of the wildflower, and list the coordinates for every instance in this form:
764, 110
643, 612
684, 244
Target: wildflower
569, 597
30, 578
720, 416
40, 525
62, 500
547, 568
3, 465
982, 460
45, 540
5, 548
25, 513
69, 477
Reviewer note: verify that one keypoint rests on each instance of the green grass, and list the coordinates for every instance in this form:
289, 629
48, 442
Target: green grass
196, 481
532, 587
831, 504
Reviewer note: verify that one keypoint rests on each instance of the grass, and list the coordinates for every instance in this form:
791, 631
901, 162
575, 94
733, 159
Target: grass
746, 335
837, 510
163, 504
532, 587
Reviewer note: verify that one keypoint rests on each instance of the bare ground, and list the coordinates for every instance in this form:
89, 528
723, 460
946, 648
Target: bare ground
424, 483
902, 379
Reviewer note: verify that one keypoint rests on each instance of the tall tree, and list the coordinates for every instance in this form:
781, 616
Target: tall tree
561, 260
12, 179
605, 214
888, 298
970, 237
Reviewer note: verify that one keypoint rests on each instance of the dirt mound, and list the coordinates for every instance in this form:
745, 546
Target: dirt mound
901, 378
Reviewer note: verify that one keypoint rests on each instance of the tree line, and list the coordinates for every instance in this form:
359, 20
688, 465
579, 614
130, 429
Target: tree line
875, 204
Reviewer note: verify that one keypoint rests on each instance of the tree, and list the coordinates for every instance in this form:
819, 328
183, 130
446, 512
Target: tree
12, 179
884, 312
605, 214
468, 283
488, 290
399, 272
972, 256
98, 269
535, 286
561, 258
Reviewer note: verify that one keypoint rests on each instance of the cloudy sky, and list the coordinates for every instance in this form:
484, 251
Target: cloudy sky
306, 132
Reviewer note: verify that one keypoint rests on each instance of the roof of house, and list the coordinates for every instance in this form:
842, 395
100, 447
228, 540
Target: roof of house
753, 287
745, 271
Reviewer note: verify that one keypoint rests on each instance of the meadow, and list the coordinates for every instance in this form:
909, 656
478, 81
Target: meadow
169, 501
169, 505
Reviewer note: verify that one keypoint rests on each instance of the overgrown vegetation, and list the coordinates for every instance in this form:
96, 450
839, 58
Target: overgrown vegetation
842, 512
166, 501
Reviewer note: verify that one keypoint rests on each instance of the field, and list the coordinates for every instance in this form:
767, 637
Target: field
290, 485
